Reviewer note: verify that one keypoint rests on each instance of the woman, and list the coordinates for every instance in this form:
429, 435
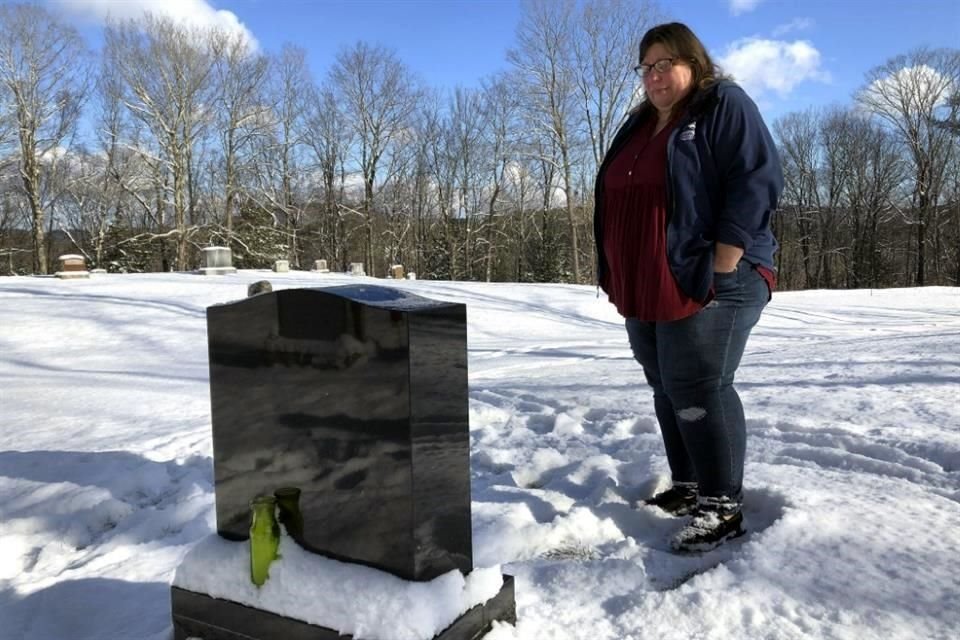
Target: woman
684, 198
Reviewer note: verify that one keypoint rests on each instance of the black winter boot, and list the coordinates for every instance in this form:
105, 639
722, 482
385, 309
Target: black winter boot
678, 500
708, 529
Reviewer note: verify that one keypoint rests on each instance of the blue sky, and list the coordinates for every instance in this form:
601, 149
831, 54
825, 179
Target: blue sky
789, 54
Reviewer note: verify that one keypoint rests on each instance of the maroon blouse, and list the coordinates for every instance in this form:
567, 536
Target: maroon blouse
638, 281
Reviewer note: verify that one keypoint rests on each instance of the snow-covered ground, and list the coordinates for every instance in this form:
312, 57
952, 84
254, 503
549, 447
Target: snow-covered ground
852, 482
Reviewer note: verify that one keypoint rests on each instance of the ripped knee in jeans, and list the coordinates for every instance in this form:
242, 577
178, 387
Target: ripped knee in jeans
692, 414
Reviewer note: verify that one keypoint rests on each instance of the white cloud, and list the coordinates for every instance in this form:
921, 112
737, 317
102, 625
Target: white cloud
743, 6
761, 66
922, 88
797, 24
197, 13
53, 155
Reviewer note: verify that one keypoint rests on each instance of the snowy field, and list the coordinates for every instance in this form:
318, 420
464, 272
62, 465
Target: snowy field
852, 480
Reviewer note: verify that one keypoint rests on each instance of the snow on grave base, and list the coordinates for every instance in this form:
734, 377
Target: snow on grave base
196, 615
355, 397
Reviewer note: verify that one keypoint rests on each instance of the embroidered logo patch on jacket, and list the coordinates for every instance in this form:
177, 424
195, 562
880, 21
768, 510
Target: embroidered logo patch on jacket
689, 132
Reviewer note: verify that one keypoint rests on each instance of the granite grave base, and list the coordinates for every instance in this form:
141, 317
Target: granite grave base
196, 615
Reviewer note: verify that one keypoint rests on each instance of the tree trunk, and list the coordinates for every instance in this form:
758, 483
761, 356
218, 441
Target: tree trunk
921, 246
571, 217
31, 186
491, 232
368, 226
923, 201
179, 209
228, 187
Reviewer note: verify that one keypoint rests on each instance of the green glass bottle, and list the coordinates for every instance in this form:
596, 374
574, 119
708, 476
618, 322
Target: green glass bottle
288, 501
264, 538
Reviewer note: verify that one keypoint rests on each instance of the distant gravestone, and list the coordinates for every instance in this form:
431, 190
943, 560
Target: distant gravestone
411, 276
217, 261
320, 266
357, 396
281, 266
396, 272
356, 269
72, 266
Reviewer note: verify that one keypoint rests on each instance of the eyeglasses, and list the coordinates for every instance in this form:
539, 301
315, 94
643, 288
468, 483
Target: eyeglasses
661, 66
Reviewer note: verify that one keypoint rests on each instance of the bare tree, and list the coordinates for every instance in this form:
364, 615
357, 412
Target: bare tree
605, 48
907, 93
543, 58
545, 257
109, 133
876, 171
442, 161
43, 67
953, 204
835, 145
500, 112
379, 96
240, 74
522, 192
466, 128
432, 190
951, 119
79, 212
797, 136
8, 133
842, 188
291, 87
395, 221
166, 69
327, 138
276, 171
125, 192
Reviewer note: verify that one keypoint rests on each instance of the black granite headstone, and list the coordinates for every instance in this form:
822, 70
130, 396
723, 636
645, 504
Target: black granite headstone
357, 395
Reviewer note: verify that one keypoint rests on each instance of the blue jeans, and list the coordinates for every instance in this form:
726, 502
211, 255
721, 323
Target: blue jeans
690, 364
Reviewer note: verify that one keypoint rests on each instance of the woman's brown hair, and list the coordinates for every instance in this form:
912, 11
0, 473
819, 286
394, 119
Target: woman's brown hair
681, 42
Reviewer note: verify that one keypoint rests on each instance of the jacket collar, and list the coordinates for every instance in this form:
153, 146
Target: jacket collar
701, 102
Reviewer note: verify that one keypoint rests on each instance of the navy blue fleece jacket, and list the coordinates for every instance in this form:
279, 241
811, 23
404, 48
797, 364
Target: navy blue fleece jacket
724, 180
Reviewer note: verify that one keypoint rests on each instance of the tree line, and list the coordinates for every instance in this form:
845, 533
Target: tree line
172, 138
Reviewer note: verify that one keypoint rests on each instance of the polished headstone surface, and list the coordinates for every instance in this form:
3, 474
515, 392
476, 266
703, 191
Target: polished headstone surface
198, 615
358, 396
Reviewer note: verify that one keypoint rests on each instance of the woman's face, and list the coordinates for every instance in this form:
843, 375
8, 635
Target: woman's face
666, 89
